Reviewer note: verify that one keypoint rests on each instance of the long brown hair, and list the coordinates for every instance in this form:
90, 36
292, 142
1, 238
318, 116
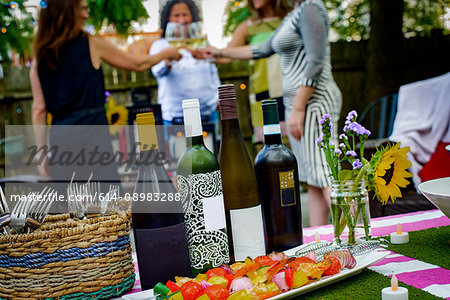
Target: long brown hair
281, 8
58, 24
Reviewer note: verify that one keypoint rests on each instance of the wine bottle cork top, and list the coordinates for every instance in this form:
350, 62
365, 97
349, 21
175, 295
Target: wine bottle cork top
147, 134
192, 118
190, 103
145, 119
270, 111
227, 99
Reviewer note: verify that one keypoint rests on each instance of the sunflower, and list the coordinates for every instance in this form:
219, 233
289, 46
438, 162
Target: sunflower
389, 174
117, 116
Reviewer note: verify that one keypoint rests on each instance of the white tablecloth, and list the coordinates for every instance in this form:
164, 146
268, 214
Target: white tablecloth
423, 119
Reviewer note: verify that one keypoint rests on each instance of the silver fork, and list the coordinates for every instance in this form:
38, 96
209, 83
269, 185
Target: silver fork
19, 213
5, 217
111, 204
93, 198
40, 208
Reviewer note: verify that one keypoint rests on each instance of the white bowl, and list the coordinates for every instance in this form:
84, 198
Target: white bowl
438, 192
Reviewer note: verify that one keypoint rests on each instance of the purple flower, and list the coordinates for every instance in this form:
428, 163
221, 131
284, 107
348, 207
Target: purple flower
320, 140
342, 145
351, 153
338, 151
331, 143
352, 115
367, 132
357, 164
343, 137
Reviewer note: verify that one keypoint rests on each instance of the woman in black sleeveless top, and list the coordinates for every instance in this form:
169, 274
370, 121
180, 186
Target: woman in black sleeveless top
67, 81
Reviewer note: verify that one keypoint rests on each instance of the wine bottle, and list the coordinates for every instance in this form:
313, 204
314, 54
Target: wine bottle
240, 189
157, 214
277, 174
200, 186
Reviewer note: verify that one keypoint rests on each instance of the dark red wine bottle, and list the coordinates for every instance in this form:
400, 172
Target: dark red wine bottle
277, 174
157, 214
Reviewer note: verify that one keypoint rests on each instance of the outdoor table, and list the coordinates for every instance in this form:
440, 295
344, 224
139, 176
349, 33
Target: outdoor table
422, 265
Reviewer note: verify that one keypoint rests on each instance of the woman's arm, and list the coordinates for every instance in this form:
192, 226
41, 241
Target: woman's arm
243, 52
297, 117
240, 38
104, 50
39, 119
312, 26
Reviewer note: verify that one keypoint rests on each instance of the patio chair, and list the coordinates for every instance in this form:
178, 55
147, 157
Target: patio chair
379, 116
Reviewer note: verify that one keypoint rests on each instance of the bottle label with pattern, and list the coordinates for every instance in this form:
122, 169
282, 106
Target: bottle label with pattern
207, 240
248, 232
287, 188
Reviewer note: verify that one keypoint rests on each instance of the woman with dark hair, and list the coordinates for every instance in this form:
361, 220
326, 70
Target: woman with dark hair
67, 81
265, 78
165, 13
309, 92
189, 77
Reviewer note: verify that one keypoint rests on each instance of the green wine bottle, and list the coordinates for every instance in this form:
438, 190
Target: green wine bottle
277, 174
240, 189
157, 214
200, 186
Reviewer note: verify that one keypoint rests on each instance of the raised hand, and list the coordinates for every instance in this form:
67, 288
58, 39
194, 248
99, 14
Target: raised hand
212, 52
171, 53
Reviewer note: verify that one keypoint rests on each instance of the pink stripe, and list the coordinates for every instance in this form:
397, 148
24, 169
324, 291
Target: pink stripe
424, 278
389, 260
407, 214
419, 225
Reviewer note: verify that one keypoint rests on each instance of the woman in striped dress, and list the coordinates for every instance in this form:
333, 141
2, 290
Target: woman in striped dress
309, 92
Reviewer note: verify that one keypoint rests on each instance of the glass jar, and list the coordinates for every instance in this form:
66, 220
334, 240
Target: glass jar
350, 211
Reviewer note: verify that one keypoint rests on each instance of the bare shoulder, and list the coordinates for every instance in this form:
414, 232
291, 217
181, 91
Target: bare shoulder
96, 49
240, 36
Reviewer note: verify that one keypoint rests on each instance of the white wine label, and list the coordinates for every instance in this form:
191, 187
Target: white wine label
214, 213
272, 129
248, 232
287, 188
206, 247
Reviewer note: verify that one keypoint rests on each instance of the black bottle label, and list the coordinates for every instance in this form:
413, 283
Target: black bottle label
162, 254
204, 214
287, 188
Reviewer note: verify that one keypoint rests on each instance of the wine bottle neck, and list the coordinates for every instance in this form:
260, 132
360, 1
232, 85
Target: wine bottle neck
195, 141
272, 139
150, 157
231, 125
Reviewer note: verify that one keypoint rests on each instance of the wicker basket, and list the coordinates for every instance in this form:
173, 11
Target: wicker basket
68, 259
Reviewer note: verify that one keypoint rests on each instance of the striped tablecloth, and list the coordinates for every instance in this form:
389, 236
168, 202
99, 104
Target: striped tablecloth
422, 275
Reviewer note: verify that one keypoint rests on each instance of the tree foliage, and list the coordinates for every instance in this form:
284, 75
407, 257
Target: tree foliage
15, 29
236, 13
121, 14
420, 17
16, 25
350, 19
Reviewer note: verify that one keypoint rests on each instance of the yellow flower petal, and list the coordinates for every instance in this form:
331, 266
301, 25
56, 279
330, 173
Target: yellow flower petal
393, 164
